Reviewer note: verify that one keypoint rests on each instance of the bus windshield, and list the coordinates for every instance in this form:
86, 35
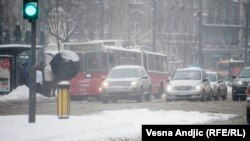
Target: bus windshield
96, 62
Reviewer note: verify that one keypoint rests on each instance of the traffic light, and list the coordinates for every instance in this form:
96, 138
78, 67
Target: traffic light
30, 9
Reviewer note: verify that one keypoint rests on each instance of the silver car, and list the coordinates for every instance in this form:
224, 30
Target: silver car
126, 82
218, 84
189, 84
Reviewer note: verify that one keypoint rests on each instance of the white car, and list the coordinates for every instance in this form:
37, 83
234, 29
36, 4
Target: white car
189, 84
126, 82
218, 84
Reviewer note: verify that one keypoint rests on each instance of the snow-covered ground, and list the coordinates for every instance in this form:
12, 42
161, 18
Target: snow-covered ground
107, 125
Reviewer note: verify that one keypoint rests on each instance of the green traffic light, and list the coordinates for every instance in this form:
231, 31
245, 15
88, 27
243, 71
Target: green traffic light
31, 9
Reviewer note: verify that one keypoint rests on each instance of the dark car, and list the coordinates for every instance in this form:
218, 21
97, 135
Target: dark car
240, 84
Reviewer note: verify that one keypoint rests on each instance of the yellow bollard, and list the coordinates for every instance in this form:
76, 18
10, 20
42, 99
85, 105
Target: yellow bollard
63, 99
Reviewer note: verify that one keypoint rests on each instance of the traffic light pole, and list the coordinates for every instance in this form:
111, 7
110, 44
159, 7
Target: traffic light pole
32, 78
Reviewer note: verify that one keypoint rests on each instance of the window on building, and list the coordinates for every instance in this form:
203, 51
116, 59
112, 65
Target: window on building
136, 2
135, 27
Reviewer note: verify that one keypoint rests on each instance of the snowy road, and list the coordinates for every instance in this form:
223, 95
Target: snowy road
112, 121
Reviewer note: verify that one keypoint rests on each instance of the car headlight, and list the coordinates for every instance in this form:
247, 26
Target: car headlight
134, 83
239, 82
105, 84
198, 87
169, 88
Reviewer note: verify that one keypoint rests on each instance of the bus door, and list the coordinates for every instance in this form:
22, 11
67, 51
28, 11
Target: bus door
76, 82
96, 65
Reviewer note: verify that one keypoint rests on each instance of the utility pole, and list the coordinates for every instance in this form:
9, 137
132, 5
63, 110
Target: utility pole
200, 52
32, 78
154, 26
102, 19
30, 12
246, 33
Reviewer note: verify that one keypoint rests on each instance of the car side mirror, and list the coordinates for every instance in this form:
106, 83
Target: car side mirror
220, 81
233, 77
205, 79
145, 77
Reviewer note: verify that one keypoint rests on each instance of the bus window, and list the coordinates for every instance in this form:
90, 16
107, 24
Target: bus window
96, 62
133, 58
121, 58
155, 61
150, 62
116, 58
127, 58
165, 65
139, 61
160, 63
111, 60
81, 61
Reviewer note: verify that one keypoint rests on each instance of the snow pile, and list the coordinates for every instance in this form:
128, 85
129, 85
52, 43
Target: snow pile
20, 93
107, 125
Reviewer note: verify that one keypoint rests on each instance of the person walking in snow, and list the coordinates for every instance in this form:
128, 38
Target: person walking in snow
48, 80
39, 81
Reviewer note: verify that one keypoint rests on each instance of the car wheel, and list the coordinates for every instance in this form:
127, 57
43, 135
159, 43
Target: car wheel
168, 100
234, 97
158, 96
105, 99
224, 97
242, 98
248, 116
140, 95
203, 96
217, 95
114, 99
209, 95
149, 95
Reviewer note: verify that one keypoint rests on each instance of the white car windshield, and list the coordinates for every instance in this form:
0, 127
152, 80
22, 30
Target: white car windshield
124, 73
212, 77
187, 75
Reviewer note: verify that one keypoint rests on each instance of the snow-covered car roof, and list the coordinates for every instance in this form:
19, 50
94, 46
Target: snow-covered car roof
126, 66
189, 68
212, 72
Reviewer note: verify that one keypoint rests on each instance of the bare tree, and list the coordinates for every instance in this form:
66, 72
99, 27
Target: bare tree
62, 18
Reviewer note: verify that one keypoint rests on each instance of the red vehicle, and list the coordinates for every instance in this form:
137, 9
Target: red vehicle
229, 68
97, 58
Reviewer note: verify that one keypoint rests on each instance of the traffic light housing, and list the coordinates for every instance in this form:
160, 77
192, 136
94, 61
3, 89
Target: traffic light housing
30, 9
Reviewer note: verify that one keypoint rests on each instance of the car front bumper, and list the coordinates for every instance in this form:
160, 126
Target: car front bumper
239, 90
120, 91
184, 95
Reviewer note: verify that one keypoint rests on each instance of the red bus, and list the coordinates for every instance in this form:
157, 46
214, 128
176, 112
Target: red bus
229, 68
97, 58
